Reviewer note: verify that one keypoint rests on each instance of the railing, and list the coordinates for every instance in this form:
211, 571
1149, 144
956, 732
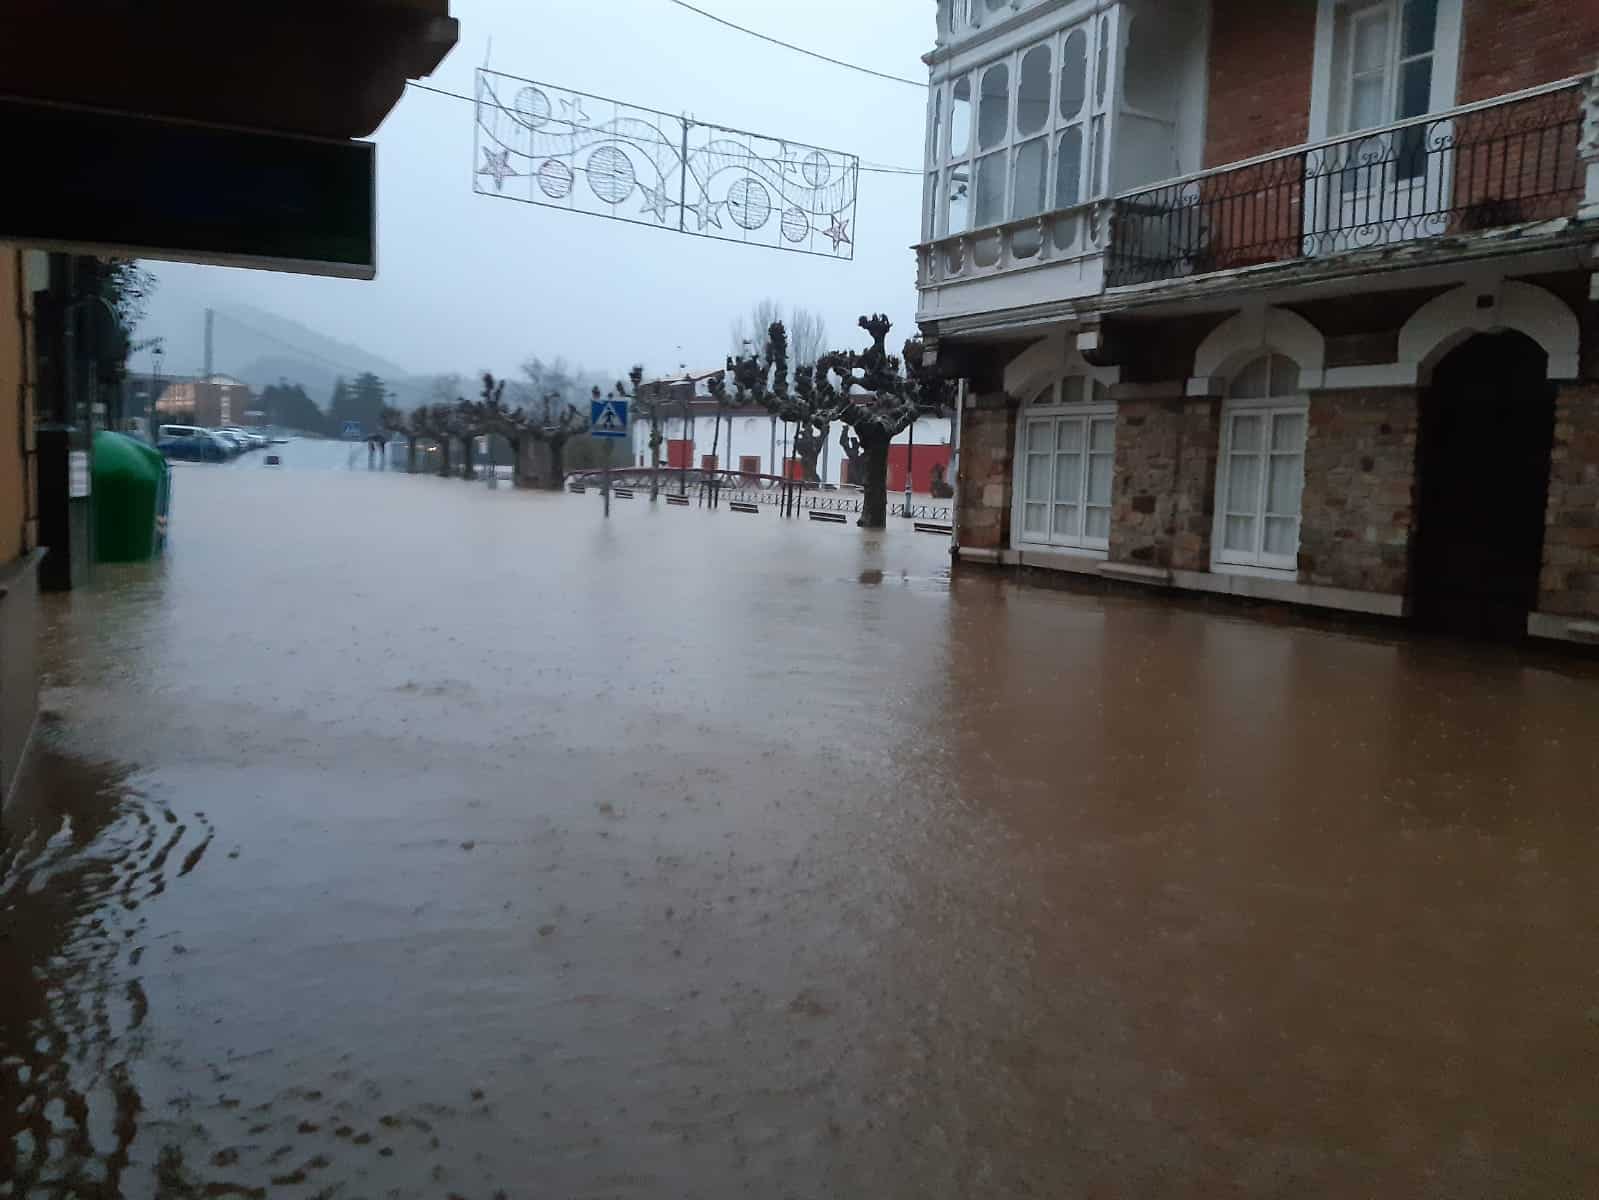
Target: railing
1071, 233
1508, 161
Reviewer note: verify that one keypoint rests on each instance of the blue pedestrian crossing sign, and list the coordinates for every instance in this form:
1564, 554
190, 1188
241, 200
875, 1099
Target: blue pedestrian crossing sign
608, 418
352, 431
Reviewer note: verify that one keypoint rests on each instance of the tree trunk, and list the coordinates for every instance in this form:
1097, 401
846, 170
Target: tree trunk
874, 500
468, 471
444, 458
516, 460
557, 480
410, 456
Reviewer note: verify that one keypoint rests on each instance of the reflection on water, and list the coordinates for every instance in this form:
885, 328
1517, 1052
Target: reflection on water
467, 844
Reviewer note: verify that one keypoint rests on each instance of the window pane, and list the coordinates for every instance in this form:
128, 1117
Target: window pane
1102, 72
995, 6
960, 120
938, 125
1101, 392
1288, 433
1246, 433
993, 111
1421, 27
1037, 478
1066, 518
1282, 536
1241, 534
1068, 476
1069, 168
1045, 396
1284, 376
1071, 389
1028, 197
1254, 381
991, 189
1243, 483
1039, 435
1103, 437
1286, 483
1035, 519
1069, 435
1366, 105
1096, 524
1415, 89
1074, 73
1370, 42
1032, 92
1096, 178
959, 198
1101, 469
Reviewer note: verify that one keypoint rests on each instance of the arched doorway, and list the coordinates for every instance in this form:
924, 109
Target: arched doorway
1487, 427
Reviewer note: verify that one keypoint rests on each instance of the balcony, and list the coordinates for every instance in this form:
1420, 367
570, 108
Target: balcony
1507, 162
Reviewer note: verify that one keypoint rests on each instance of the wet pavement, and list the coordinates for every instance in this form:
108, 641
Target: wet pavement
399, 837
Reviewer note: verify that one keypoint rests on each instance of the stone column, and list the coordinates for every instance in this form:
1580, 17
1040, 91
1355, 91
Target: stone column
987, 478
1569, 584
1143, 518
1194, 509
1358, 509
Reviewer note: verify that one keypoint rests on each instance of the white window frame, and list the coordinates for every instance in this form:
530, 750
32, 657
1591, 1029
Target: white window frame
1050, 407
1094, 120
1324, 122
1271, 408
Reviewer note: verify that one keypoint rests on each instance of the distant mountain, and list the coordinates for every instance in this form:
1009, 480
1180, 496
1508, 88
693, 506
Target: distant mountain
262, 348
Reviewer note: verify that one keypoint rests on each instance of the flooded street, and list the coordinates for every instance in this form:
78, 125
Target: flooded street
400, 837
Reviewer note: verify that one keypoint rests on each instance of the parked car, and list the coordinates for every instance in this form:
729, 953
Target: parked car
233, 441
252, 440
196, 446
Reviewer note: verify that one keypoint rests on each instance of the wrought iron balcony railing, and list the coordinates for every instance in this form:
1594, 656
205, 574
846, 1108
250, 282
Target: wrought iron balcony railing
1508, 161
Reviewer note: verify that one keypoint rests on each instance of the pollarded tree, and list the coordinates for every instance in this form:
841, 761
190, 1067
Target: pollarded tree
494, 417
558, 426
878, 396
802, 404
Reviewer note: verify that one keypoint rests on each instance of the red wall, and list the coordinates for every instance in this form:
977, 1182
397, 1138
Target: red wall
927, 457
1509, 45
1262, 57
679, 454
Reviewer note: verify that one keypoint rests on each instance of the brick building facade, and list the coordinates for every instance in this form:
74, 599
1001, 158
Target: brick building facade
1336, 345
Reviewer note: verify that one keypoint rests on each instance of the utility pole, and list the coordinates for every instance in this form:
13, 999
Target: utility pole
210, 331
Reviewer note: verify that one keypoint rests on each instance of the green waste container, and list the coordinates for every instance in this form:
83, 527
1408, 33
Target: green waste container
132, 493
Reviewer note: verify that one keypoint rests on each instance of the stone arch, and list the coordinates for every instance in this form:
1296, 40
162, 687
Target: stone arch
1254, 332
1447, 321
1042, 363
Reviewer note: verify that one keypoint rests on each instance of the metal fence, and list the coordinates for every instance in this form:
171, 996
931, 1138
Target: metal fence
1479, 167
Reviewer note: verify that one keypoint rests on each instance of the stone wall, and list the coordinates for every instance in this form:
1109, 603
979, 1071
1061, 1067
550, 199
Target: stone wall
1148, 447
988, 443
1569, 585
1194, 507
1359, 502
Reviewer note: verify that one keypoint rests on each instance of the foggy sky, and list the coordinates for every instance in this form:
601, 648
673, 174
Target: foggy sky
468, 282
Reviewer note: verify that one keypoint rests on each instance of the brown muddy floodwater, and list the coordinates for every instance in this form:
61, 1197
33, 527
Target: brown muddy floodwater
396, 837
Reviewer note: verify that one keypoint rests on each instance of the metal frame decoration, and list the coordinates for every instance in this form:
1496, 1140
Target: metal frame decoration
558, 148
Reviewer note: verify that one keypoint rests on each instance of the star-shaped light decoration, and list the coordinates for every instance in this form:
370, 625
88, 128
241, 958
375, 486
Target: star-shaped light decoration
498, 166
839, 232
573, 110
655, 201
706, 212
